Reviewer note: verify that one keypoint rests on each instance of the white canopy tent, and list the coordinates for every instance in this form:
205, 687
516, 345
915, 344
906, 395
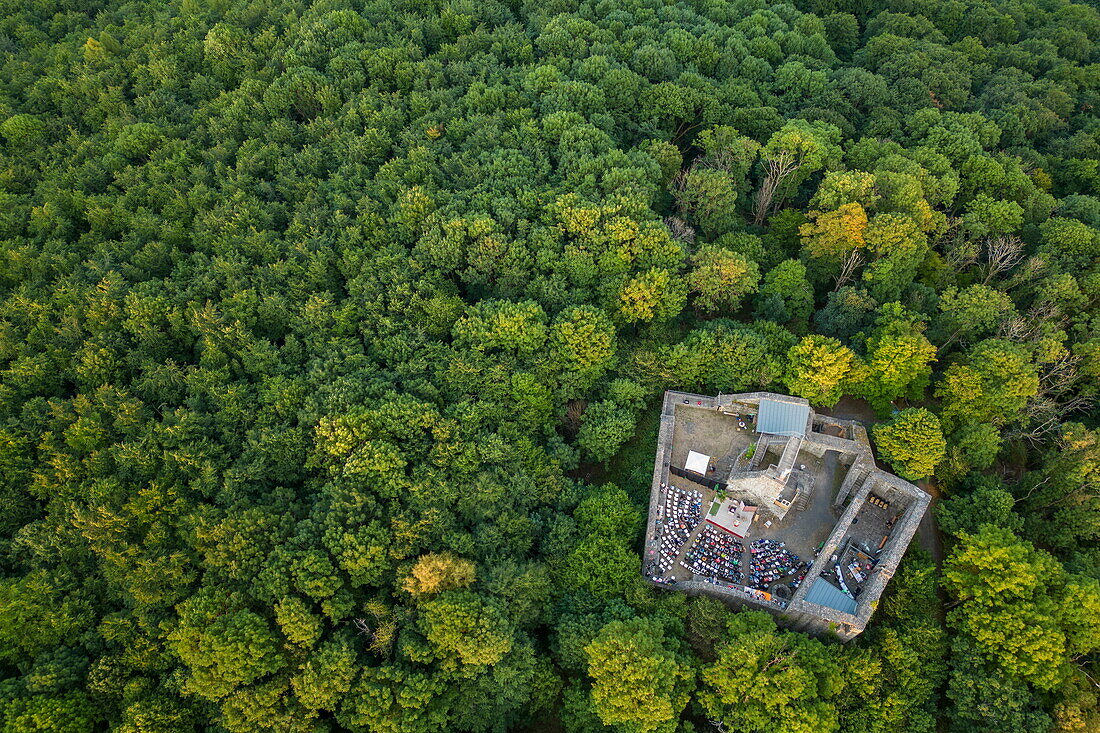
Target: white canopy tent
697, 463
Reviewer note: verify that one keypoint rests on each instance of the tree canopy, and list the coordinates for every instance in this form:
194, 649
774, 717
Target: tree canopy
333, 335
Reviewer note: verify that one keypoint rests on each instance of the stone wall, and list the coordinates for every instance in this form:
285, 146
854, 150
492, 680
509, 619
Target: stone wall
660, 469
815, 449
892, 553
857, 472
824, 558
696, 587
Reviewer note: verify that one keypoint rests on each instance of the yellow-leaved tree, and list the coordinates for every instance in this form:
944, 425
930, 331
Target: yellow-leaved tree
439, 571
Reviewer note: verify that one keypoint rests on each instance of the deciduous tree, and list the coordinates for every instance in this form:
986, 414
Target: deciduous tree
721, 278
638, 684
764, 679
820, 369
438, 571
912, 443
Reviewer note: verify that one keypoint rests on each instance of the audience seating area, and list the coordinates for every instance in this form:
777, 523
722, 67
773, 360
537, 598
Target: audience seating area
771, 561
715, 554
677, 516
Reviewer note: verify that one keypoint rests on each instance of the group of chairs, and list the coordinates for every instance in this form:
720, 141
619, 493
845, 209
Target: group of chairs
771, 561
678, 515
715, 554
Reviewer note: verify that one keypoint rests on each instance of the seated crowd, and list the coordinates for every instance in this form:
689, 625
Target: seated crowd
715, 554
771, 561
677, 515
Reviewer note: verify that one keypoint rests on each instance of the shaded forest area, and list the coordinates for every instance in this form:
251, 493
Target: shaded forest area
312, 314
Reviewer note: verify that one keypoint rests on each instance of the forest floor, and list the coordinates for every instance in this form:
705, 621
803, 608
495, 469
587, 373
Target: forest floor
851, 408
931, 539
632, 467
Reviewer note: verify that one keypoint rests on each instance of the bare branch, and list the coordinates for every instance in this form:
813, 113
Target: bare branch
1001, 255
676, 187
574, 409
961, 254
1031, 491
1017, 329
848, 266
680, 229
723, 159
1029, 327
779, 168
1031, 268
1054, 402
1059, 376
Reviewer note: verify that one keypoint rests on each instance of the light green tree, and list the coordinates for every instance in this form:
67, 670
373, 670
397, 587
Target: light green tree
993, 385
393, 699
786, 294
605, 427
22, 130
465, 629
721, 278
790, 156
582, 347
820, 369
970, 313
323, 681
653, 295
709, 197
503, 325
986, 216
1013, 605
898, 364
298, 624
638, 684
769, 680
438, 571
912, 443
223, 648
1069, 243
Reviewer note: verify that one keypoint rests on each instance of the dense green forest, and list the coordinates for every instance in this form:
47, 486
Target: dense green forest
332, 336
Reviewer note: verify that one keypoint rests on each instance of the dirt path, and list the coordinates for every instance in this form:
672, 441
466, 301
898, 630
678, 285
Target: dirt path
931, 539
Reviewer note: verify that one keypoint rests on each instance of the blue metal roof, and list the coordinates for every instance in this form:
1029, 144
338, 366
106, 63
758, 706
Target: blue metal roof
824, 593
782, 418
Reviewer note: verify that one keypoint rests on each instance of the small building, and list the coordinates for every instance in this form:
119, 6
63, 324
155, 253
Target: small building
697, 463
732, 516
